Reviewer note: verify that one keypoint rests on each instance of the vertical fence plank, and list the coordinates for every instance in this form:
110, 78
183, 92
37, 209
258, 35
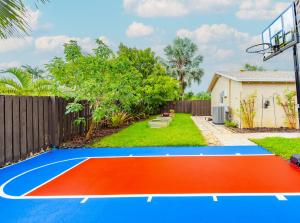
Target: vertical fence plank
29, 123
196, 108
46, 121
23, 127
35, 117
2, 131
8, 129
61, 119
29, 127
54, 121
41, 142
16, 129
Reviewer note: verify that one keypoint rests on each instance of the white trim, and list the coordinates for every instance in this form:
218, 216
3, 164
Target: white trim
149, 200
7, 196
281, 197
156, 195
215, 198
84, 200
53, 178
3, 194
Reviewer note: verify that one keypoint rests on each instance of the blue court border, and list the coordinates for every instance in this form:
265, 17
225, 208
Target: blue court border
180, 209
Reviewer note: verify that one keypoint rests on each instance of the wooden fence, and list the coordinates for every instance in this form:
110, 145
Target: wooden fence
196, 108
29, 124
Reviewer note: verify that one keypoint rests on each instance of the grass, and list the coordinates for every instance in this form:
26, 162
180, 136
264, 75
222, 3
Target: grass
181, 132
283, 147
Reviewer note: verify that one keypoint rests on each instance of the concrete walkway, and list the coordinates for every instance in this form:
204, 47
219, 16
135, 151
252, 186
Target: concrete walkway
219, 135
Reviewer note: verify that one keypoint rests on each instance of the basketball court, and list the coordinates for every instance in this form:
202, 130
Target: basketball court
173, 184
161, 184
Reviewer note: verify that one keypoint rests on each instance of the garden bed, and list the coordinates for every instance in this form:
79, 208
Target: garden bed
80, 141
262, 130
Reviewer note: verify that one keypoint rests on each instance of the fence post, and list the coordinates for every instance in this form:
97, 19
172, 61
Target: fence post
54, 122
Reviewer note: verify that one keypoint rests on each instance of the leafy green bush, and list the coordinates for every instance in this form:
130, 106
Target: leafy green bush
205, 96
131, 81
231, 124
119, 119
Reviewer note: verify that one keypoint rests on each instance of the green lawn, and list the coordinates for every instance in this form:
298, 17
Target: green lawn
181, 132
283, 147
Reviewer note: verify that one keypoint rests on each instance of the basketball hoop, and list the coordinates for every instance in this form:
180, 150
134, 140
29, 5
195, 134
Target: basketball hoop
261, 48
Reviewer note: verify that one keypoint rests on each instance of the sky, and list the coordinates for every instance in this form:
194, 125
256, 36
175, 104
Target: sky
222, 30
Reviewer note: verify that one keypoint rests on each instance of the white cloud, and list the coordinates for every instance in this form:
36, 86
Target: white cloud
173, 8
260, 9
105, 40
137, 29
247, 9
156, 8
10, 64
33, 18
219, 41
52, 43
14, 44
216, 33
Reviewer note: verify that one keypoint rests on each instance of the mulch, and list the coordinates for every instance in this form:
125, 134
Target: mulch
80, 141
262, 130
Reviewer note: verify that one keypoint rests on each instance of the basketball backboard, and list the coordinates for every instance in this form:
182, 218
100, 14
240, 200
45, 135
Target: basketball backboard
282, 33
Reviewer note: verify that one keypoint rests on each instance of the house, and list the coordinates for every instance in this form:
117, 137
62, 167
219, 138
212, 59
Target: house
230, 88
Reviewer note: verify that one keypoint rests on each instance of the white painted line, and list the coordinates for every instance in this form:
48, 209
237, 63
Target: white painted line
167, 154
238, 154
4, 195
281, 197
130, 155
215, 198
151, 195
149, 199
84, 200
201, 154
55, 177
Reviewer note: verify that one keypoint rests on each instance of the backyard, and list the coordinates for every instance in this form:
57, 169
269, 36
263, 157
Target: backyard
116, 111
181, 132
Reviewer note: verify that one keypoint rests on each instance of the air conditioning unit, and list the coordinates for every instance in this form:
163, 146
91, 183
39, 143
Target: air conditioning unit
219, 114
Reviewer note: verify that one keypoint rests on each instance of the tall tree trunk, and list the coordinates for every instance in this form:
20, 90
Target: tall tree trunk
181, 80
89, 134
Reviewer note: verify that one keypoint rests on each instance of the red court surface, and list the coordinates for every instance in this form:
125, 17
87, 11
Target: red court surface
175, 175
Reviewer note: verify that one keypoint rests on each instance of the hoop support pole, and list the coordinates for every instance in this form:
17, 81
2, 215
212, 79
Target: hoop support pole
297, 78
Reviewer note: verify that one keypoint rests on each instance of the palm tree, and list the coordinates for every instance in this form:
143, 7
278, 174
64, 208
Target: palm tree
22, 83
36, 72
183, 63
13, 15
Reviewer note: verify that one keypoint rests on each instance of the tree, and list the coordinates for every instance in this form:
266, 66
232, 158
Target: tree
144, 61
183, 63
249, 67
36, 72
156, 87
188, 95
13, 15
109, 82
22, 83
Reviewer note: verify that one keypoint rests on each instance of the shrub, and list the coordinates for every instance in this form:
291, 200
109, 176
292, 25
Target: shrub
231, 124
289, 106
247, 111
119, 119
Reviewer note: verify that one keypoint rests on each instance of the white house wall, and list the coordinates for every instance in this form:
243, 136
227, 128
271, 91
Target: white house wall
274, 115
